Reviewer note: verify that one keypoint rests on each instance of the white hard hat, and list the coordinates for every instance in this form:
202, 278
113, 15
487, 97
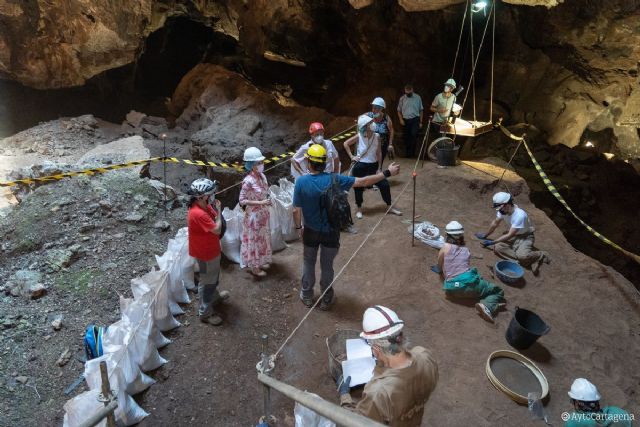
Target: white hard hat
500, 199
252, 154
583, 390
203, 187
454, 227
377, 101
380, 322
451, 83
364, 120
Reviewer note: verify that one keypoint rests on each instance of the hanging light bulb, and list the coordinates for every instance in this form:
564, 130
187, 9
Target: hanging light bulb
477, 6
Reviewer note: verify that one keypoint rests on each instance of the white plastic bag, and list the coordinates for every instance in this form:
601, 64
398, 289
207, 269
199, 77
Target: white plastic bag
305, 417
277, 241
155, 283
230, 242
282, 197
81, 407
428, 234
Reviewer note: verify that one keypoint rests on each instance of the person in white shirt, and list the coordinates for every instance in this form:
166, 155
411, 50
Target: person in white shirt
367, 161
517, 243
300, 164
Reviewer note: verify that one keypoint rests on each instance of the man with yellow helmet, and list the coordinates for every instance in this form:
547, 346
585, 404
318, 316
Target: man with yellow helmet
318, 233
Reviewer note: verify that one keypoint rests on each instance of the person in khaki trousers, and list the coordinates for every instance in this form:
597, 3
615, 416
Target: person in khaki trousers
517, 243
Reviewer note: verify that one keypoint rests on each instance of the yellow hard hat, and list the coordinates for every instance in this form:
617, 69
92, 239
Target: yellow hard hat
316, 153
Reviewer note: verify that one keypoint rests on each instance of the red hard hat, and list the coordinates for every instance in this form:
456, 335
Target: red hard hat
315, 127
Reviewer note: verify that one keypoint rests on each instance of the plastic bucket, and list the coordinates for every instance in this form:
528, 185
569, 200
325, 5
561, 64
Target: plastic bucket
337, 349
447, 156
525, 328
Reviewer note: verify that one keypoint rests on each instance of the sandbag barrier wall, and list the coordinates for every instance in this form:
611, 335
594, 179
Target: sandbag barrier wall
131, 344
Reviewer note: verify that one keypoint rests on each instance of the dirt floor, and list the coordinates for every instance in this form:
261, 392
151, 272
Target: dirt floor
594, 314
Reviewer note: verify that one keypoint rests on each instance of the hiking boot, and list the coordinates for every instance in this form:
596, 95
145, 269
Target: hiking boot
308, 302
359, 215
351, 229
212, 319
326, 305
221, 297
395, 211
484, 312
257, 272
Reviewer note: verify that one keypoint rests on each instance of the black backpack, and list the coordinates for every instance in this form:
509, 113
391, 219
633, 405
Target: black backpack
335, 202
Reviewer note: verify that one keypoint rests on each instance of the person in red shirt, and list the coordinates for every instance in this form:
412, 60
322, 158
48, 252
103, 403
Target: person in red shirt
205, 224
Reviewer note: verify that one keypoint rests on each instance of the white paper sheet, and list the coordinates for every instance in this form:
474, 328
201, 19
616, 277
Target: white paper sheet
358, 348
360, 370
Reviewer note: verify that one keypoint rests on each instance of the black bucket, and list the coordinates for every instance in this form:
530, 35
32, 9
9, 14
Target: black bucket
525, 328
446, 152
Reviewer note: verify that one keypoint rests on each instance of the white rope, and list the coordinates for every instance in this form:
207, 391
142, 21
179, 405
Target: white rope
475, 62
472, 82
493, 48
455, 58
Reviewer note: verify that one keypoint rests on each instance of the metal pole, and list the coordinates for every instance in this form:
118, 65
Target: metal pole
413, 216
426, 139
266, 391
335, 413
163, 136
106, 393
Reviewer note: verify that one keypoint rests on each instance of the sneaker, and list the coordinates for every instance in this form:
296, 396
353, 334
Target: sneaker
257, 272
484, 312
535, 267
351, 229
359, 215
308, 302
221, 297
395, 211
326, 305
265, 266
212, 319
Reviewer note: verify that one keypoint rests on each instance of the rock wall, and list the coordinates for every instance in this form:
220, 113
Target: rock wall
568, 67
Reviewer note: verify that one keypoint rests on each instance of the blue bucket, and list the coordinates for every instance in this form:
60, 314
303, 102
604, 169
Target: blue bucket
509, 272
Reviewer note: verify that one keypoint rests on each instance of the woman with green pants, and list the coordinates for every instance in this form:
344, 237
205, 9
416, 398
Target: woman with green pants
462, 281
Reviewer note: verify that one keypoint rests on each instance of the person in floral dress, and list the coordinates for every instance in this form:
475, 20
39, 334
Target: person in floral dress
255, 248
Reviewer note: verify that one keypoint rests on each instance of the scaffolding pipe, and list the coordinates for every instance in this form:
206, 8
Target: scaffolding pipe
328, 410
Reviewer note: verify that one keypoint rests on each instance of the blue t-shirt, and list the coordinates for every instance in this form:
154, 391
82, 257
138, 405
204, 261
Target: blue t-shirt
307, 195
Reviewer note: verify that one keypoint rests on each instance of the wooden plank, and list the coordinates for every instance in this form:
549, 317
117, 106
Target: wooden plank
468, 128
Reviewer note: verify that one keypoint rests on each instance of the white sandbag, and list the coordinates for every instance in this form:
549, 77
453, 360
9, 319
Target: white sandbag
277, 241
187, 262
128, 411
155, 283
139, 344
81, 407
428, 234
230, 242
171, 262
306, 417
282, 197
158, 339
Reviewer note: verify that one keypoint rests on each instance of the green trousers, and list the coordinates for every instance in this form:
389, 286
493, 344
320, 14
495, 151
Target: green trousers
470, 285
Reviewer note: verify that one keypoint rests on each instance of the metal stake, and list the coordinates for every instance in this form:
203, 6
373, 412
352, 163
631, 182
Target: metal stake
106, 393
265, 367
163, 136
413, 217
426, 140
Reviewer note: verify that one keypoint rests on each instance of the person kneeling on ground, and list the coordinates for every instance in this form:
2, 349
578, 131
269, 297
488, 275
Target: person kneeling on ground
517, 243
318, 233
586, 402
204, 225
462, 281
403, 379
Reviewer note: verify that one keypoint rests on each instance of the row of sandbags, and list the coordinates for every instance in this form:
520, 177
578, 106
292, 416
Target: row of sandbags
283, 229
131, 344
